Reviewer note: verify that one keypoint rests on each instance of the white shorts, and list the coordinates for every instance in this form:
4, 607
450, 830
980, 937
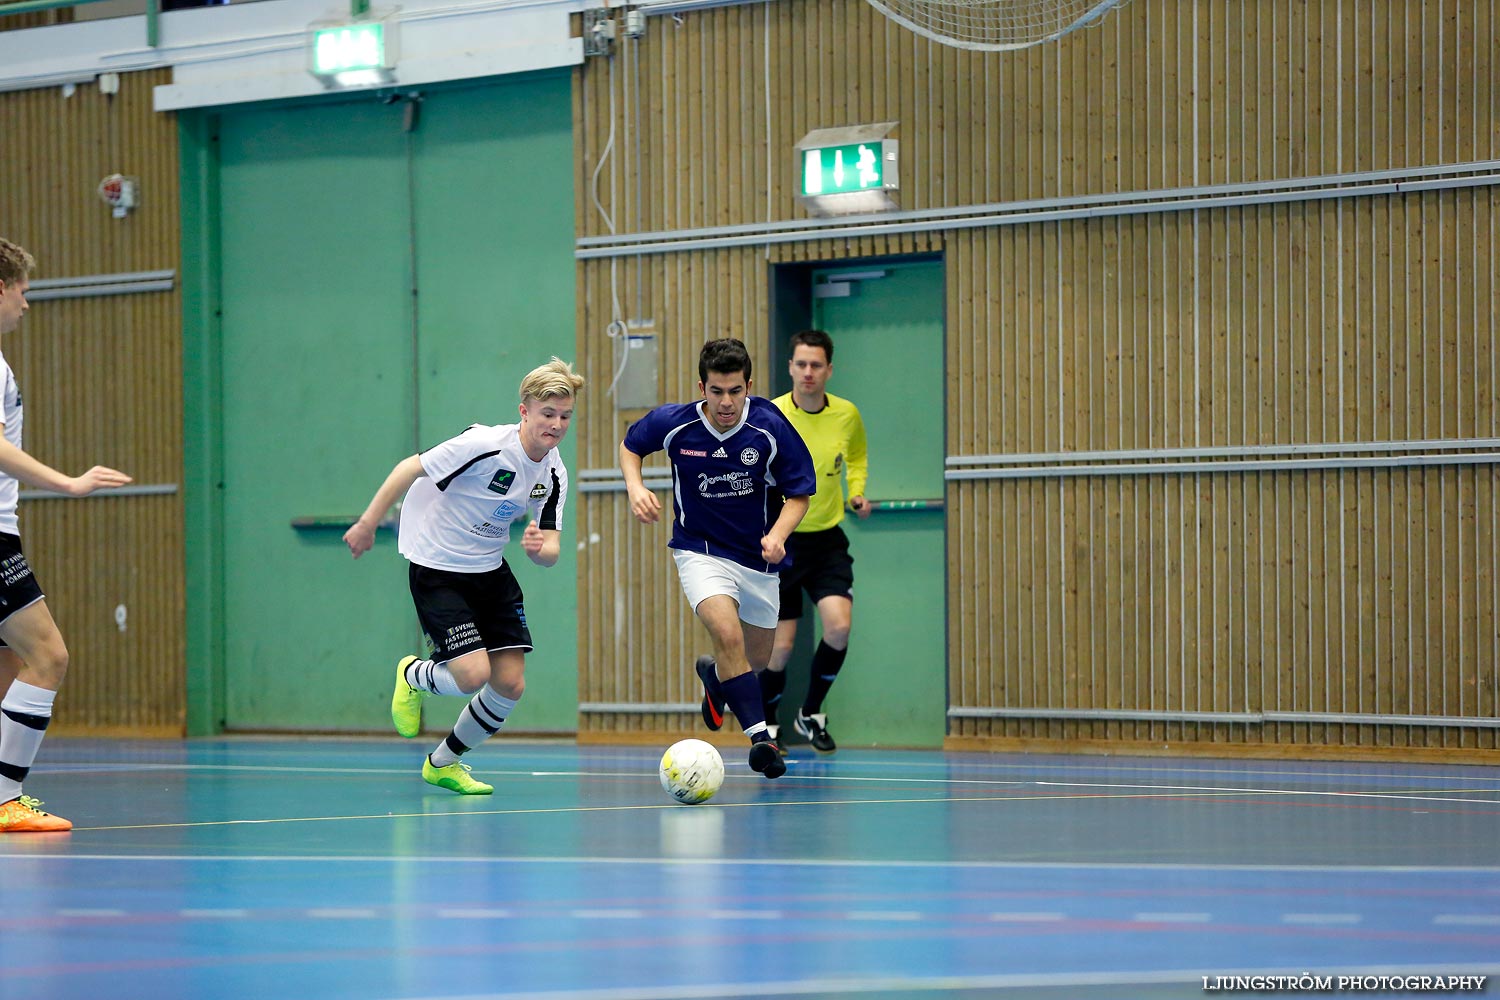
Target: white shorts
758, 594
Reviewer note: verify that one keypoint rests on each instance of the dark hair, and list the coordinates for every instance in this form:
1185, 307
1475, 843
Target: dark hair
725, 356
814, 338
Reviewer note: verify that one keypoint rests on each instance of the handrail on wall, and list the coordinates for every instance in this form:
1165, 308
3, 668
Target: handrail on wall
153, 12
357, 8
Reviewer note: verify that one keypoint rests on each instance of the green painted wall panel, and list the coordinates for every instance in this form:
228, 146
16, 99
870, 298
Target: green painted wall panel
317, 406
494, 211
380, 293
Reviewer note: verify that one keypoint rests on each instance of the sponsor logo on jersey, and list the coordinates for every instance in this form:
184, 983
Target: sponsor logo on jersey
721, 453
749, 456
501, 482
730, 484
507, 510
538, 491
693, 452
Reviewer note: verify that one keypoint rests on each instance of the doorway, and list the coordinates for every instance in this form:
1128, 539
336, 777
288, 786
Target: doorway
886, 320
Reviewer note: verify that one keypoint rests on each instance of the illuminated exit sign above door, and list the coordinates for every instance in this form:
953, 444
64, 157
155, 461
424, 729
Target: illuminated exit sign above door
353, 54
848, 170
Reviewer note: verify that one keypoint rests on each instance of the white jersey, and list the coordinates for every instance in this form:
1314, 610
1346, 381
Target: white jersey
458, 517
10, 489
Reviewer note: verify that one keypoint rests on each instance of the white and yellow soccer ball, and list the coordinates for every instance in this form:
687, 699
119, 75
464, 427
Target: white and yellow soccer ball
691, 771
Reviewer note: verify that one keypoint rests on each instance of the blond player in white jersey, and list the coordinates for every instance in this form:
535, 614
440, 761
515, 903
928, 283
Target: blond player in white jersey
461, 500
33, 657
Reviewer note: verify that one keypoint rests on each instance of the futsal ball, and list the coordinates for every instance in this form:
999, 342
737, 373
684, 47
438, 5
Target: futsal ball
691, 771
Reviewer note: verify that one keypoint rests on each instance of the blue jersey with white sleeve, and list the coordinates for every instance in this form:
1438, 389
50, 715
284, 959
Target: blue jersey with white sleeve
727, 487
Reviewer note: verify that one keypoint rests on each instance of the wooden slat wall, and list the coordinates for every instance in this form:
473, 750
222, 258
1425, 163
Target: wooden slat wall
102, 381
1369, 591
1361, 320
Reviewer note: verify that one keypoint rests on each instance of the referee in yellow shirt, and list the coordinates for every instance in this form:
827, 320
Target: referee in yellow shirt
819, 549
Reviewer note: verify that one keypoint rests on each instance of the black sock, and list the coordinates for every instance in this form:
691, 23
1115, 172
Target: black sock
772, 683
742, 694
826, 662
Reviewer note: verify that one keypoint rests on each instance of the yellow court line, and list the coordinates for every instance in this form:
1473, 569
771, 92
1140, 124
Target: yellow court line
585, 809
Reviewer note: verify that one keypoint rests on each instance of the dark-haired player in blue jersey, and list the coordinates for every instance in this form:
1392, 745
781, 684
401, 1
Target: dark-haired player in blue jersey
741, 480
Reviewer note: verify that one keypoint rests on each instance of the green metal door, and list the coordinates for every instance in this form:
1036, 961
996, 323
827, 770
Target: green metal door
388, 275
317, 396
888, 358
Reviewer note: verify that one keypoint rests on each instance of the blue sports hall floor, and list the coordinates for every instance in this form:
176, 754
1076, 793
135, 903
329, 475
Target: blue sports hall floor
326, 868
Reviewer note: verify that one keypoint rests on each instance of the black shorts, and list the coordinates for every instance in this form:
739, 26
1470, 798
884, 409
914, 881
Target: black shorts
462, 612
821, 565
18, 586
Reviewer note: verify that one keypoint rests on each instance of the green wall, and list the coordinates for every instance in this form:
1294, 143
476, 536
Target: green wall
369, 278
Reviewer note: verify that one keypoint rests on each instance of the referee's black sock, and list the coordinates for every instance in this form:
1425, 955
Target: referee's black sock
826, 662
772, 684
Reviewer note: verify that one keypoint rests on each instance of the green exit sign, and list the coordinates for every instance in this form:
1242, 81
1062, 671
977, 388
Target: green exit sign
859, 166
849, 169
348, 47
350, 54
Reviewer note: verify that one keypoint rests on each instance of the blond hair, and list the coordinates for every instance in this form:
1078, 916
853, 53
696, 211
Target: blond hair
15, 263
555, 378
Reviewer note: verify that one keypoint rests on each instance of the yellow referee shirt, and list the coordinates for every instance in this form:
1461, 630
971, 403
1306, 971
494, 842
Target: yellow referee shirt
836, 437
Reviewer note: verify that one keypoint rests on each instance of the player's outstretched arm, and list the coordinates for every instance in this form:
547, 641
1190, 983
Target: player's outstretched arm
361, 535
773, 545
643, 503
16, 463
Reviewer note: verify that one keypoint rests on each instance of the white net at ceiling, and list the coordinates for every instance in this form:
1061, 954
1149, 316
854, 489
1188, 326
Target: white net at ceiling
994, 24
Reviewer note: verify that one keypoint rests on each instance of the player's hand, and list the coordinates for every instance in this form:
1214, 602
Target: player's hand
860, 506
773, 549
97, 478
644, 505
360, 538
532, 539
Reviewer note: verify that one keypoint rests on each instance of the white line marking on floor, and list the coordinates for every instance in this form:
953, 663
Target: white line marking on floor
342, 913
1092, 866
473, 914
883, 915
608, 914
214, 914
1172, 918
1321, 919
745, 914
1027, 918
80, 912
1468, 919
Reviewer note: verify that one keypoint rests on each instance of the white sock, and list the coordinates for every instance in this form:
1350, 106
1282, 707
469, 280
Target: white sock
434, 678
24, 715
481, 719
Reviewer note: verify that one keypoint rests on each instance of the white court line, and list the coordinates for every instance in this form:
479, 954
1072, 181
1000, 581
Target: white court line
1028, 918
946, 763
622, 914
1172, 918
1394, 796
214, 914
745, 914
882, 915
1467, 919
342, 913
1401, 795
393, 859
1321, 919
473, 914
90, 913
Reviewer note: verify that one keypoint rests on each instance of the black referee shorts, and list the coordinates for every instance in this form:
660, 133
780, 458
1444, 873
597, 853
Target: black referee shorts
821, 566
